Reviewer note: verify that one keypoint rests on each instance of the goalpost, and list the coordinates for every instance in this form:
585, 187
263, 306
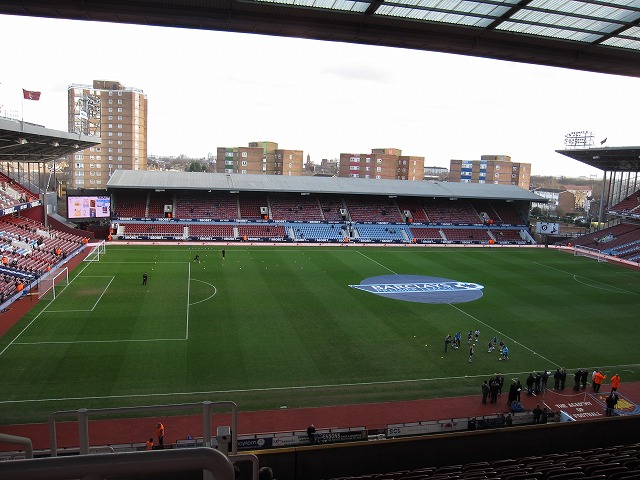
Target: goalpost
579, 251
50, 286
97, 249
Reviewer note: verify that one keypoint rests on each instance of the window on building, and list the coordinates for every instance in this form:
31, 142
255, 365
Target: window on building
244, 163
244, 154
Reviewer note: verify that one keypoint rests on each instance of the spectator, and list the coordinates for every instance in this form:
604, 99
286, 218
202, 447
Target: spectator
265, 473
311, 433
537, 414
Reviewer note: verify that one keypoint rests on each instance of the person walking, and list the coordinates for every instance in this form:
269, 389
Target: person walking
224, 254
144, 278
471, 353
160, 434
615, 382
447, 341
597, 381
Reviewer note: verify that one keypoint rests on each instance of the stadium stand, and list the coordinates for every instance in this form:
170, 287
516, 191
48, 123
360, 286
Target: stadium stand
370, 209
28, 251
295, 207
154, 229
319, 232
607, 463
331, 208
261, 231
454, 212
414, 208
251, 205
212, 205
463, 235
304, 218
12, 193
368, 233
631, 204
211, 231
130, 204
427, 233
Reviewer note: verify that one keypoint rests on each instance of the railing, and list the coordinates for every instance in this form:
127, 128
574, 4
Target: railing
83, 415
91, 467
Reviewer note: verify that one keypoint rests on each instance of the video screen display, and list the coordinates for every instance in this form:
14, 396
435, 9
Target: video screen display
89, 207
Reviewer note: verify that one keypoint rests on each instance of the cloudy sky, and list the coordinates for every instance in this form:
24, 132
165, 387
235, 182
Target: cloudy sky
209, 89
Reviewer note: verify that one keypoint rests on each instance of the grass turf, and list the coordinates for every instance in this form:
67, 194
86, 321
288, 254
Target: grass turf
273, 326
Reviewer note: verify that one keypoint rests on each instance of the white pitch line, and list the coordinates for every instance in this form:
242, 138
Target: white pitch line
505, 336
41, 312
279, 389
616, 289
215, 290
251, 390
369, 258
80, 342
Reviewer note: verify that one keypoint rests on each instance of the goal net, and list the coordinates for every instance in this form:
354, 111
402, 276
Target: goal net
51, 285
97, 249
579, 251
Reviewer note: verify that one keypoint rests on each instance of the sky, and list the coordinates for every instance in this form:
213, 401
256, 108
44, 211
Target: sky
211, 89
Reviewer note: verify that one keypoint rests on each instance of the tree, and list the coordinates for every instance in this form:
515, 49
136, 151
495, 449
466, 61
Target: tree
196, 167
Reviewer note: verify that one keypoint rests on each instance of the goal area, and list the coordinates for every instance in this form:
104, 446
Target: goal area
97, 249
579, 251
51, 285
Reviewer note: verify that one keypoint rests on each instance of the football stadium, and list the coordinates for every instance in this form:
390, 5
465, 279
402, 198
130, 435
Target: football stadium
233, 326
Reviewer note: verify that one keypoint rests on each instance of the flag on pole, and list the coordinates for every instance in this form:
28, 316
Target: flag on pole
30, 95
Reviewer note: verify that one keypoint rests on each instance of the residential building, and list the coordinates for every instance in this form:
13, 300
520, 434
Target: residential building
560, 201
381, 163
118, 115
260, 158
498, 169
582, 194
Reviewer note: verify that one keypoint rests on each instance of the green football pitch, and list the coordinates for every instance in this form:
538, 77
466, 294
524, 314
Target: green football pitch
268, 327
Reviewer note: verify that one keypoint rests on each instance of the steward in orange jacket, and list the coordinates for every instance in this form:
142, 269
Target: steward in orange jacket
615, 382
597, 381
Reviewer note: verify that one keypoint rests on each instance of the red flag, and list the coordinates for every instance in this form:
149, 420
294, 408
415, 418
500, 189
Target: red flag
29, 95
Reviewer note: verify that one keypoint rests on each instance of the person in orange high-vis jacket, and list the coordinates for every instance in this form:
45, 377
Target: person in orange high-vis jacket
160, 434
597, 381
150, 444
615, 382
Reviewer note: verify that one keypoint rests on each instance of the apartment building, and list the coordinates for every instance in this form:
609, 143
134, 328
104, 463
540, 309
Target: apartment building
260, 158
118, 115
498, 169
381, 163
